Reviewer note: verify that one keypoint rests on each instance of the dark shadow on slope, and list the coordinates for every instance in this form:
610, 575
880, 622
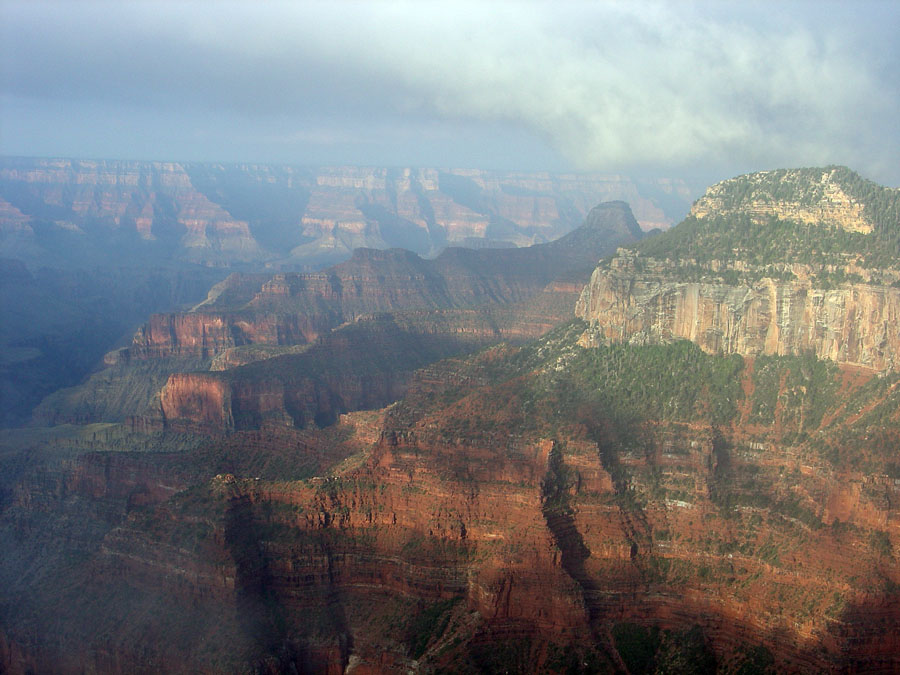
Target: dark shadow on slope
560, 520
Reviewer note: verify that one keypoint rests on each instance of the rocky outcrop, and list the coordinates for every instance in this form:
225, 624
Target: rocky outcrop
196, 399
820, 197
203, 335
362, 366
747, 274
636, 300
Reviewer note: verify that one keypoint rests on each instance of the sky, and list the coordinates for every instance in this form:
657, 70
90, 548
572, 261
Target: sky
680, 89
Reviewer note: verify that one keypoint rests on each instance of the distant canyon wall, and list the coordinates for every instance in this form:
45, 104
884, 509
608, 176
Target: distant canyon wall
223, 215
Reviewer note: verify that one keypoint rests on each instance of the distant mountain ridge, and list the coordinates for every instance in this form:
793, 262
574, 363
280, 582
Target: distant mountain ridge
85, 212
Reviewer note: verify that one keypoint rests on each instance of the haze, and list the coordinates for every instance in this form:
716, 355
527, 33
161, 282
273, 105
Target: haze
704, 89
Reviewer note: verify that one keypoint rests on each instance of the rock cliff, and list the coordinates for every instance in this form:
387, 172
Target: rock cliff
638, 301
293, 309
744, 274
362, 366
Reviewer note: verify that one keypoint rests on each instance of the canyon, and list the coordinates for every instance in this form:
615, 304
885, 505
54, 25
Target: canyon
681, 459
459, 301
81, 212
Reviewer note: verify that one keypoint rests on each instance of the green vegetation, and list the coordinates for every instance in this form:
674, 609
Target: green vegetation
753, 660
651, 650
573, 659
880, 543
677, 382
428, 624
802, 387
732, 235
636, 645
767, 245
625, 383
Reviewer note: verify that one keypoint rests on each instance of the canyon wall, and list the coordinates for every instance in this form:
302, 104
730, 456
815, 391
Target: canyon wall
486, 519
635, 300
294, 309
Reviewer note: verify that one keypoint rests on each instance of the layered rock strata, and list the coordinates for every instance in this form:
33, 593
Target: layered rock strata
635, 300
451, 531
228, 215
291, 309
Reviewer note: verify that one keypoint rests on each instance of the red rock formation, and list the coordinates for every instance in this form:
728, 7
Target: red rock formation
296, 309
454, 501
204, 335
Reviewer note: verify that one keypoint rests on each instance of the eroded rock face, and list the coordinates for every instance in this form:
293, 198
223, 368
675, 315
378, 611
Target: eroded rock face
856, 324
153, 200
454, 522
204, 335
202, 399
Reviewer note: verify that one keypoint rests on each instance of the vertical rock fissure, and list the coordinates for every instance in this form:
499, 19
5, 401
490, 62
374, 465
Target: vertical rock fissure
633, 519
560, 519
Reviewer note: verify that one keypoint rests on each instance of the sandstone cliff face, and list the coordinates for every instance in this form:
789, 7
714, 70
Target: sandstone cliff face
362, 366
202, 399
856, 324
204, 335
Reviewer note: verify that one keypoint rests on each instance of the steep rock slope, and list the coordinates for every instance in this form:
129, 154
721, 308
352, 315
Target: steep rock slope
296, 308
545, 507
773, 263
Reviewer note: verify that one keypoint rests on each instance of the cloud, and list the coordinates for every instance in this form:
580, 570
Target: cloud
610, 85
630, 84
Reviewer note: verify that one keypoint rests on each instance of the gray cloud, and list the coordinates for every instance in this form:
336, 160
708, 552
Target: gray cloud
610, 85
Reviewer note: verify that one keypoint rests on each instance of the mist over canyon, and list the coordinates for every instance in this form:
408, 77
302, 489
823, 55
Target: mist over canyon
278, 419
